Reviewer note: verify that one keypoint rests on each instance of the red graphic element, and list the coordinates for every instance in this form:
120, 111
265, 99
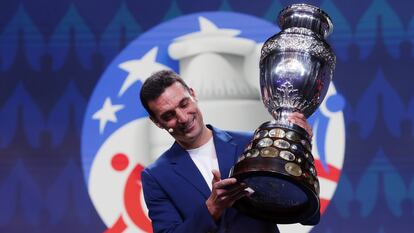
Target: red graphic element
118, 227
132, 200
331, 173
119, 162
324, 204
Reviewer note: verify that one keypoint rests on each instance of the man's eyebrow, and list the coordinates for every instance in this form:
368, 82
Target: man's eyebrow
184, 99
172, 110
166, 113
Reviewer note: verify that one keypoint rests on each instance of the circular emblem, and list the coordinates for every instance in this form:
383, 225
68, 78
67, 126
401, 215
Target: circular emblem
286, 155
278, 133
118, 140
269, 152
293, 169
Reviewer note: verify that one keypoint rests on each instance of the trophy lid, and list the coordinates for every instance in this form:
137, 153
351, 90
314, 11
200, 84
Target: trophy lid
306, 16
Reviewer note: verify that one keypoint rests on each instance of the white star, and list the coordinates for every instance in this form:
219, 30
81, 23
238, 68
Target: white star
140, 69
209, 29
106, 113
210, 39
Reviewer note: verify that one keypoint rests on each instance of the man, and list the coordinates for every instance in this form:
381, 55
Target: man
186, 189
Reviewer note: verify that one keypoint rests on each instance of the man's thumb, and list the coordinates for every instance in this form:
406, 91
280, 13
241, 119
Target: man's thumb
216, 176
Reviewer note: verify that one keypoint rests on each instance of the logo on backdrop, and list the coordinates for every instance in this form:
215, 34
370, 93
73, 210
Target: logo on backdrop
217, 53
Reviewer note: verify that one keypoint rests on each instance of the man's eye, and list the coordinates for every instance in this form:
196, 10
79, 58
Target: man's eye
167, 117
184, 104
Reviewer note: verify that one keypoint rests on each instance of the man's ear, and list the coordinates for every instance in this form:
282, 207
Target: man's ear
192, 93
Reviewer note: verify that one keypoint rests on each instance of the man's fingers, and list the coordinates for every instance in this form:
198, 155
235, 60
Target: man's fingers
224, 183
232, 190
300, 119
237, 196
305, 126
298, 114
216, 176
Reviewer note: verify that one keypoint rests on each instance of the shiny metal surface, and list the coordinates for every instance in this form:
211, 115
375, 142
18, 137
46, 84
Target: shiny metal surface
287, 155
277, 133
261, 134
269, 152
297, 65
292, 136
265, 142
293, 169
252, 153
306, 16
296, 68
280, 143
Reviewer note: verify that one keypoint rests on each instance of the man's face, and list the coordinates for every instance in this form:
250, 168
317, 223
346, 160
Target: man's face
176, 108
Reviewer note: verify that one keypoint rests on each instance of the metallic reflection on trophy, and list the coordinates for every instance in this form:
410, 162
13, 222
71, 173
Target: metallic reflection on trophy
296, 67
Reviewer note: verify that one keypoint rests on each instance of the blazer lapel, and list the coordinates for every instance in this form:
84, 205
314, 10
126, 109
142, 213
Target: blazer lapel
226, 151
185, 167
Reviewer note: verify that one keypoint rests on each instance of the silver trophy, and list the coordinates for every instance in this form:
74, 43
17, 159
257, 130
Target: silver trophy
296, 67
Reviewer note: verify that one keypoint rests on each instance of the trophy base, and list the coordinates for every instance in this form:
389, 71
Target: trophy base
278, 166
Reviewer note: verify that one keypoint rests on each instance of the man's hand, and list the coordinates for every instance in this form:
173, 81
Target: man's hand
223, 195
299, 119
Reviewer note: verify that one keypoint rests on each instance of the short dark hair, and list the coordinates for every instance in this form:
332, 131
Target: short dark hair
156, 84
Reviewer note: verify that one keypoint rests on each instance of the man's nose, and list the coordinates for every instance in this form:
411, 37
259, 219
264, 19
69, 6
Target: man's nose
181, 116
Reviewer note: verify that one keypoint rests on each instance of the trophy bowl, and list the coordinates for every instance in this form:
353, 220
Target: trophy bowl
296, 68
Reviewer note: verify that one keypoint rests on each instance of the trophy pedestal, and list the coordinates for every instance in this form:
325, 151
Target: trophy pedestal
278, 166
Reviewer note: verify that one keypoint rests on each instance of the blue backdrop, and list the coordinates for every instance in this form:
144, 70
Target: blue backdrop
52, 54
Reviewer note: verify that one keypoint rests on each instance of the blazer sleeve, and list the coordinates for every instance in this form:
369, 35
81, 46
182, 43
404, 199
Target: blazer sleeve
165, 216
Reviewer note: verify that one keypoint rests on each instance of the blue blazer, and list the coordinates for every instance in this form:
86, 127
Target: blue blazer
175, 191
